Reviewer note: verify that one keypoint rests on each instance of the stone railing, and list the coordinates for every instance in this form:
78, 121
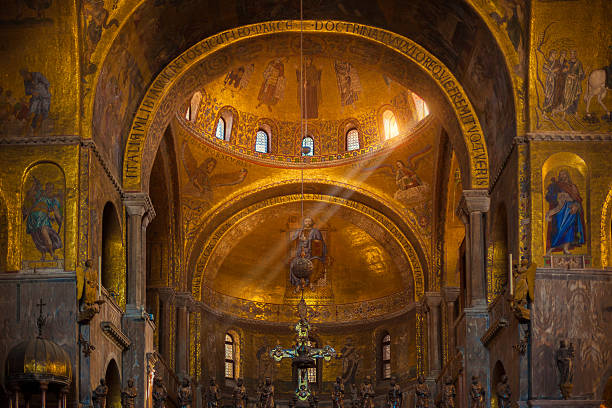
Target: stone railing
379, 308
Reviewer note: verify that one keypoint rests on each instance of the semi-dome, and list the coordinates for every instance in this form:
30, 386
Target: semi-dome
351, 103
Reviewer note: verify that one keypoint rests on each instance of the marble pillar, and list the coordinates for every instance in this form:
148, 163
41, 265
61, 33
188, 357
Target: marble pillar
182, 334
136, 323
451, 294
473, 206
433, 300
472, 209
167, 298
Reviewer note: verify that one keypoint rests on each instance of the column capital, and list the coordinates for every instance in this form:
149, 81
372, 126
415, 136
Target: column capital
138, 204
451, 293
166, 294
433, 299
184, 299
474, 201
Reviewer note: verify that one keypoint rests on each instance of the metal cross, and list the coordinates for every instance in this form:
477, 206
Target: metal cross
302, 355
40, 322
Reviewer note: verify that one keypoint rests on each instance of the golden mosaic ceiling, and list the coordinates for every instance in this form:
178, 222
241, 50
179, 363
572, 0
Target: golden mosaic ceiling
252, 259
342, 88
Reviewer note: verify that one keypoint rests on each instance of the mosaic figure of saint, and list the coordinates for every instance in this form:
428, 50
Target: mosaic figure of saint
311, 246
573, 88
43, 208
273, 86
549, 69
309, 94
565, 216
202, 177
37, 87
350, 361
557, 69
348, 82
239, 78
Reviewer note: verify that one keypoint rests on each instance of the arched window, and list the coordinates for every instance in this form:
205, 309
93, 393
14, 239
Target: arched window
229, 357
390, 125
261, 141
220, 131
192, 111
386, 357
307, 146
188, 113
312, 371
421, 107
352, 140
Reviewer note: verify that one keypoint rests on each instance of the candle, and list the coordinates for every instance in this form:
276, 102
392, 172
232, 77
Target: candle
99, 277
510, 275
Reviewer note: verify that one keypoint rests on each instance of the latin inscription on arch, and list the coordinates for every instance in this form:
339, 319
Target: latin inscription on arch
468, 120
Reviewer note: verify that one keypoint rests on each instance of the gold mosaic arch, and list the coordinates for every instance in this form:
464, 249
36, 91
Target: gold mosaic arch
162, 96
381, 219
231, 199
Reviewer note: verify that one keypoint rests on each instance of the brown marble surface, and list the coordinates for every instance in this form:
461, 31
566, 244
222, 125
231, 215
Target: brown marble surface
575, 305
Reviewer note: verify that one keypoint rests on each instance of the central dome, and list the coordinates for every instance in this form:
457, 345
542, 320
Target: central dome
340, 104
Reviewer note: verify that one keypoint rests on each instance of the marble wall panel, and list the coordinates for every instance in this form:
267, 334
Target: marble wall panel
574, 306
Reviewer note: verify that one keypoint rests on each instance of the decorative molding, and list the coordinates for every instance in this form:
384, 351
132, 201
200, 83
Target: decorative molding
493, 330
47, 140
90, 144
568, 137
278, 160
116, 335
275, 313
498, 172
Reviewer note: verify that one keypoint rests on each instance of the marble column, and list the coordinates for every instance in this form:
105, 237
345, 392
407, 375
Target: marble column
451, 294
472, 209
135, 210
167, 296
473, 206
182, 334
433, 300
136, 323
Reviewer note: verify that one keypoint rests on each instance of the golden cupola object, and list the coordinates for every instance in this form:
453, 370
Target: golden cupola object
38, 361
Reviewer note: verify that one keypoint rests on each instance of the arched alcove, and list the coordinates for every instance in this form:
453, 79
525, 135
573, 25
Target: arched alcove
497, 276
113, 257
565, 206
43, 206
498, 372
113, 382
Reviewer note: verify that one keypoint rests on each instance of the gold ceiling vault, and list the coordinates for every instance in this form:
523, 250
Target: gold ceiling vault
175, 83
215, 237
